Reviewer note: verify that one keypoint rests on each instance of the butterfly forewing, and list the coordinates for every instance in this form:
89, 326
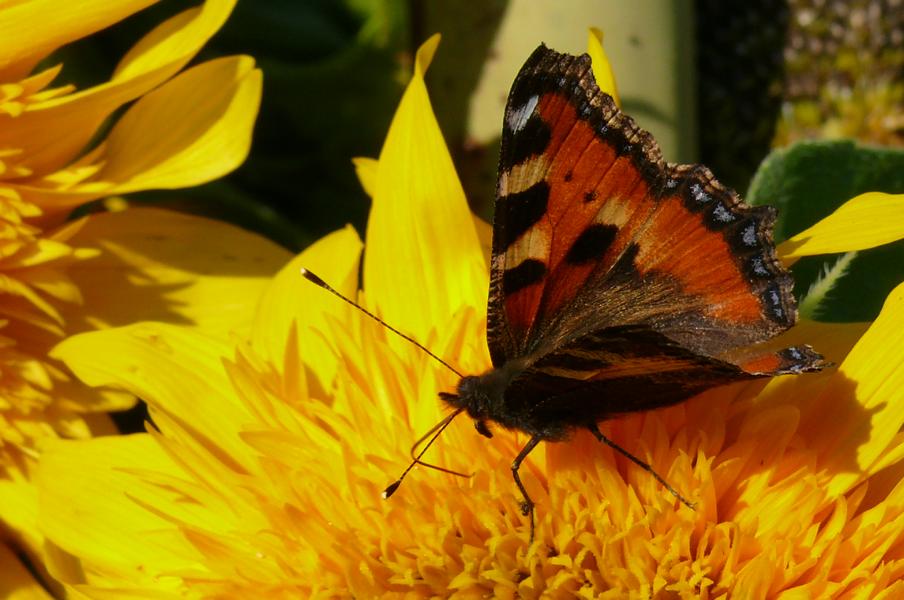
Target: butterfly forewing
593, 232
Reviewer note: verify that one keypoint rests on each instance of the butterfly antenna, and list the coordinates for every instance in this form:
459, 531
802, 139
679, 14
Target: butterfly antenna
436, 431
320, 282
420, 441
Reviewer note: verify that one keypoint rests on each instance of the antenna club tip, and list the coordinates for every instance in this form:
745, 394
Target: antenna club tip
390, 490
311, 277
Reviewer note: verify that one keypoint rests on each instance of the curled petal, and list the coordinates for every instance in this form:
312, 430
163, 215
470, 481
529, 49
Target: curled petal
191, 130
866, 221
29, 31
50, 134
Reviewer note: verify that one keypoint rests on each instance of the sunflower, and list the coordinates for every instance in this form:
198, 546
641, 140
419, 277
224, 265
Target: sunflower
59, 149
261, 475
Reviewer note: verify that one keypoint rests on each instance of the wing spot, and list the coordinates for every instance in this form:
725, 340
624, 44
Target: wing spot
521, 211
722, 214
699, 195
569, 176
774, 300
531, 139
748, 236
591, 244
590, 196
528, 273
758, 266
517, 119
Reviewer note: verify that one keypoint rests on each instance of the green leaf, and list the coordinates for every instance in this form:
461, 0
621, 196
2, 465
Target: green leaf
807, 182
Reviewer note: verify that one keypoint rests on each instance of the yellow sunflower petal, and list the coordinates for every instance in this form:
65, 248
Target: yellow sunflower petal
366, 170
864, 404
602, 70
176, 39
193, 129
866, 221
29, 31
51, 133
16, 582
423, 259
290, 298
166, 266
97, 526
177, 369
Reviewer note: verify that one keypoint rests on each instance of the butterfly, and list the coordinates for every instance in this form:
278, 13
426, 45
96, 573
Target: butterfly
619, 283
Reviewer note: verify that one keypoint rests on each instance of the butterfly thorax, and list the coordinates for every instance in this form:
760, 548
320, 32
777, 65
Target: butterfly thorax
483, 397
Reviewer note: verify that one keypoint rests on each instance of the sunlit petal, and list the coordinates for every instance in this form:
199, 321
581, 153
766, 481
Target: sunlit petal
602, 70
51, 133
867, 221
193, 129
141, 254
420, 233
866, 400
29, 31
291, 301
101, 531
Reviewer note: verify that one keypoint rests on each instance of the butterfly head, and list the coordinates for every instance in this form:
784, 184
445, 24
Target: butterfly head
482, 397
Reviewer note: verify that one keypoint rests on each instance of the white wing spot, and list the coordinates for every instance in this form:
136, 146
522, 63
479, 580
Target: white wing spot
776, 304
749, 235
758, 266
722, 214
699, 195
517, 119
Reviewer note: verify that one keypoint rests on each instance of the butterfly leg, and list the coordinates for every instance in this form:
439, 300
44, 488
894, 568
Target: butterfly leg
599, 435
527, 506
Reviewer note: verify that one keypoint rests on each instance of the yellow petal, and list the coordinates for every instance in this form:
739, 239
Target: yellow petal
366, 170
16, 582
167, 266
864, 404
100, 527
191, 130
175, 39
602, 70
175, 369
18, 510
51, 133
423, 259
29, 31
866, 221
290, 298
485, 235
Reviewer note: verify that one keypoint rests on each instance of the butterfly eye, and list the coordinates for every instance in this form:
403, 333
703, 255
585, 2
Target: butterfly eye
482, 429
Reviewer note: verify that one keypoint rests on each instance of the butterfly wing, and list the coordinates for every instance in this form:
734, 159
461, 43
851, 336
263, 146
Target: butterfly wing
595, 237
628, 369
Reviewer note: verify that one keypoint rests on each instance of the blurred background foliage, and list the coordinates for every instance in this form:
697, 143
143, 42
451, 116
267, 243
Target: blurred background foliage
817, 86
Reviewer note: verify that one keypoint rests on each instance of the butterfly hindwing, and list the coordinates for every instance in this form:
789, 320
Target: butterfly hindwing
593, 232
629, 369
